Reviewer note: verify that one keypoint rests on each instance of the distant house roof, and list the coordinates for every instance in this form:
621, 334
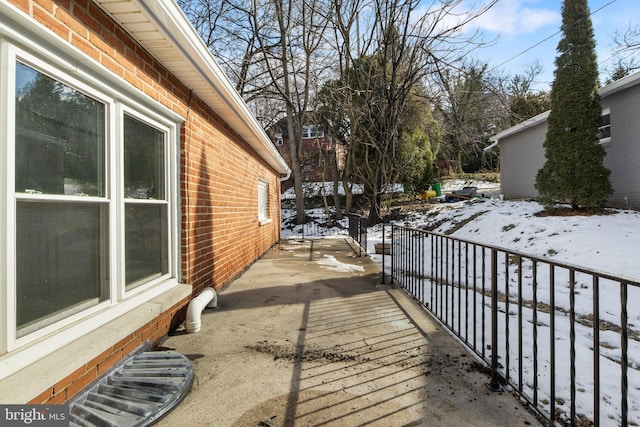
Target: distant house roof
617, 86
163, 29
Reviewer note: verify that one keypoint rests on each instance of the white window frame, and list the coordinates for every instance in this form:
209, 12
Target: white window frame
17, 352
17, 55
169, 142
263, 202
279, 139
312, 131
606, 140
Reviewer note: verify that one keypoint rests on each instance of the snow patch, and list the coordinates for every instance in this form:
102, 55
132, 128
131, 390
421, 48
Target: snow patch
330, 262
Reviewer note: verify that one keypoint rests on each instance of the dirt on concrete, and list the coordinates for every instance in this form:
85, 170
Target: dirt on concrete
309, 336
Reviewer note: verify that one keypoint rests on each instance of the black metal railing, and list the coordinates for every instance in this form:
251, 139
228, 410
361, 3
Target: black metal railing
559, 335
319, 227
358, 232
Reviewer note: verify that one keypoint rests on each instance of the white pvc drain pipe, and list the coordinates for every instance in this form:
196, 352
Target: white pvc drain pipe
207, 299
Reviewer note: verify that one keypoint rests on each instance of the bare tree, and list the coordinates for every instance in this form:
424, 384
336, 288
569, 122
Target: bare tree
270, 48
407, 42
382, 51
298, 27
626, 48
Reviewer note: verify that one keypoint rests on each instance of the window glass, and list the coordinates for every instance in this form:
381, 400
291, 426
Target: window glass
62, 242
60, 260
146, 237
143, 160
604, 130
146, 243
262, 199
59, 137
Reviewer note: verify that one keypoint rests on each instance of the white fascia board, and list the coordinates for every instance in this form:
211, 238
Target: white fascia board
617, 86
169, 19
622, 84
540, 118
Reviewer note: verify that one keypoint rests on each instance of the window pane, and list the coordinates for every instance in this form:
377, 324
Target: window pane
59, 137
60, 260
146, 242
143, 160
604, 131
262, 199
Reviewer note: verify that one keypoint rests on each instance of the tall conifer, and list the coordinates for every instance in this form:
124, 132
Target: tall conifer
574, 172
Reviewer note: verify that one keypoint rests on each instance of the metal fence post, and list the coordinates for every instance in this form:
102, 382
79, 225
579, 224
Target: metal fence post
495, 381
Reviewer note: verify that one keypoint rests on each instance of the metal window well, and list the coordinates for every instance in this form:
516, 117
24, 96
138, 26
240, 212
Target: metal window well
137, 392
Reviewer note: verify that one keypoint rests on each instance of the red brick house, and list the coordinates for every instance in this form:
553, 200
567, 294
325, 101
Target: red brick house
317, 152
133, 176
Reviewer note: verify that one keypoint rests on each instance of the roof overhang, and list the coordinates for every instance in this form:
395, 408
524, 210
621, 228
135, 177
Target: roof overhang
162, 28
533, 121
617, 86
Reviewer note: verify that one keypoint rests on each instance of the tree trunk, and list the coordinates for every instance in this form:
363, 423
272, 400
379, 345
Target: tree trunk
323, 179
346, 177
336, 181
296, 169
375, 208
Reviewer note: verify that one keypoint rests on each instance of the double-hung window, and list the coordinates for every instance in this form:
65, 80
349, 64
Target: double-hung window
604, 130
145, 204
90, 199
61, 203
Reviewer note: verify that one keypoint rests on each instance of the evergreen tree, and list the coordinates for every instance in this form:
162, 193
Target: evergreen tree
574, 171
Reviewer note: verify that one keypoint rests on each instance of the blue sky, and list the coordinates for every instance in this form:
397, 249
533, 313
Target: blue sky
520, 25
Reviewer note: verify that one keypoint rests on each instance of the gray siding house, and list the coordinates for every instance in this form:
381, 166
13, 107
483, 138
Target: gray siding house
522, 153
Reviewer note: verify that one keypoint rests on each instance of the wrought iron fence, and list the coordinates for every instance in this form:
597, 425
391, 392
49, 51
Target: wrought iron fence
358, 231
318, 227
564, 337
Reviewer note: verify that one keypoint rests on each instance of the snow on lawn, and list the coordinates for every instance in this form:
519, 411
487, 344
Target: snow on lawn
607, 243
600, 242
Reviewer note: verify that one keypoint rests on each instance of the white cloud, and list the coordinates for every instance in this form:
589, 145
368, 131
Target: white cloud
514, 17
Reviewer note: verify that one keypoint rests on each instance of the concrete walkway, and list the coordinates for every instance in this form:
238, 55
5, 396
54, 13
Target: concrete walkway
308, 337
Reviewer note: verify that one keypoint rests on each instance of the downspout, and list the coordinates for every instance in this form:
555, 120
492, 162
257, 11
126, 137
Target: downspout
284, 177
207, 299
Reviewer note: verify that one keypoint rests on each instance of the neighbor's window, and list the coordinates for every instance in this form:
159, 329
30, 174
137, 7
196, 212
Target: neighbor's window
263, 187
61, 212
604, 130
312, 132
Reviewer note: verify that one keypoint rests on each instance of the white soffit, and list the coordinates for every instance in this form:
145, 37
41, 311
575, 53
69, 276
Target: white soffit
163, 29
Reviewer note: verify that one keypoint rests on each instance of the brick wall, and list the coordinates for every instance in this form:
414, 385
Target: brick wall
221, 235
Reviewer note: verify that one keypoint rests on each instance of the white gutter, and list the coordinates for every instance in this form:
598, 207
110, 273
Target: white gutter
489, 147
521, 126
184, 53
621, 84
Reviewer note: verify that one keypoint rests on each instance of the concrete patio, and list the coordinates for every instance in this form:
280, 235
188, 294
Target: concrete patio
308, 336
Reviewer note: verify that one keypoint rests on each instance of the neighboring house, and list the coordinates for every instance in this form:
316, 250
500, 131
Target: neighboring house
316, 152
522, 152
133, 176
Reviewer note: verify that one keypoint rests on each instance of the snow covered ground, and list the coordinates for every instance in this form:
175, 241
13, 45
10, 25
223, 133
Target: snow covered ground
607, 243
